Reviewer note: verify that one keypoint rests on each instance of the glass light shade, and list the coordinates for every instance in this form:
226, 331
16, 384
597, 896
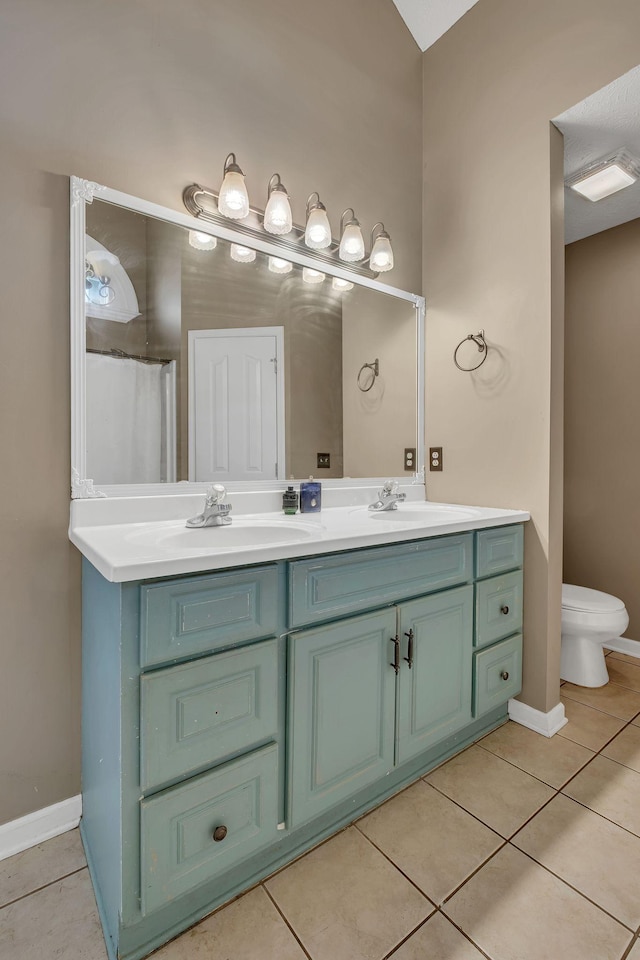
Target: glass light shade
317, 234
351, 243
312, 276
276, 265
340, 285
202, 241
381, 258
278, 218
242, 254
233, 200
604, 182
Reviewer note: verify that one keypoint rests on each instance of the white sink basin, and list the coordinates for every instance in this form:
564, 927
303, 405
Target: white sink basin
426, 513
241, 532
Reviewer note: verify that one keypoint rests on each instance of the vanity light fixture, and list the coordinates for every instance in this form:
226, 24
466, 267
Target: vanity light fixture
242, 254
202, 241
341, 285
605, 177
278, 218
276, 265
233, 199
312, 276
351, 239
317, 234
381, 256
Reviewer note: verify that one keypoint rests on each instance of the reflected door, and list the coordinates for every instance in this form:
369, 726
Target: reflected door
236, 404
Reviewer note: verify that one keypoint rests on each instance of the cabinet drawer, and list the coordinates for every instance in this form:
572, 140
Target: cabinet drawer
198, 713
499, 550
328, 587
192, 615
178, 849
497, 674
498, 608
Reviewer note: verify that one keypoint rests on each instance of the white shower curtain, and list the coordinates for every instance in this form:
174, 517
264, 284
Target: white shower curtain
124, 420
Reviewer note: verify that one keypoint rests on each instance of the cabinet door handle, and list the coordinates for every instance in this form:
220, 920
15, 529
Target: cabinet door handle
504, 675
396, 653
409, 657
504, 609
219, 833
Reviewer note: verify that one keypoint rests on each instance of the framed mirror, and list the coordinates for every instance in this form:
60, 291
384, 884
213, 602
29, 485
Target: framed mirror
200, 355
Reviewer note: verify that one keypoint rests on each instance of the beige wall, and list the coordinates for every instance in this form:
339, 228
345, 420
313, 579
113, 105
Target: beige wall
602, 402
147, 96
492, 260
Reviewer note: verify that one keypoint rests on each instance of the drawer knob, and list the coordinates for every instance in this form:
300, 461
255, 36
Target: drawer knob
504, 609
505, 674
219, 833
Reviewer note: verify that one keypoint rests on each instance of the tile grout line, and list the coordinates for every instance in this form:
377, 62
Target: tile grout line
401, 943
453, 923
599, 709
288, 925
44, 886
551, 786
393, 864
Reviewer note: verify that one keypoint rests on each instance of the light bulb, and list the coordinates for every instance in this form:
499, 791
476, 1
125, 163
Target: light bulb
277, 215
352, 243
381, 258
341, 285
202, 241
233, 200
276, 265
242, 254
312, 276
317, 234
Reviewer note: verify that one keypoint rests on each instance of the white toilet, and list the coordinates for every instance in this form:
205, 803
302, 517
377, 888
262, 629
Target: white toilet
590, 620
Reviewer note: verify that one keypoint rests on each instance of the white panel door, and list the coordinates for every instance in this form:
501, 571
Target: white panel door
236, 409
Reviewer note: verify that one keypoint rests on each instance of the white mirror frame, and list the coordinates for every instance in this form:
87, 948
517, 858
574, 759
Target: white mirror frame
83, 192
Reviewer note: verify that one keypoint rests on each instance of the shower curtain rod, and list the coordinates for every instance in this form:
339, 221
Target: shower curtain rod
121, 355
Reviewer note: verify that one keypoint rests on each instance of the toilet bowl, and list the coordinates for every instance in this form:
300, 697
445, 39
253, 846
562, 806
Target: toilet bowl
590, 619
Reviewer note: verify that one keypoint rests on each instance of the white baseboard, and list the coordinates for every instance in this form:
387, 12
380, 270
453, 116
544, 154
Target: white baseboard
545, 723
19, 835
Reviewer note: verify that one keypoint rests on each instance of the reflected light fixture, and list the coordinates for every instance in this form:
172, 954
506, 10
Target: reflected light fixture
381, 256
312, 276
317, 234
242, 254
202, 241
605, 177
276, 265
341, 285
278, 218
351, 239
233, 199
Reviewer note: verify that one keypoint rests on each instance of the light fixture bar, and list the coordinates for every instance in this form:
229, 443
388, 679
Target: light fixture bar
605, 177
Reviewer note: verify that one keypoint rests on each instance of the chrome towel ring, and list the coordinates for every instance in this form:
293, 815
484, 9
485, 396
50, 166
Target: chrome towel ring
366, 380
481, 343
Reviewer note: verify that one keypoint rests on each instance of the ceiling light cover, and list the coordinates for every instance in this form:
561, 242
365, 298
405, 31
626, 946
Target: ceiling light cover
233, 200
605, 177
202, 241
278, 218
381, 257
242, 254
351, 239
317, 234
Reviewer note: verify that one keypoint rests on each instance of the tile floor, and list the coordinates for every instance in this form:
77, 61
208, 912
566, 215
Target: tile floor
519, 848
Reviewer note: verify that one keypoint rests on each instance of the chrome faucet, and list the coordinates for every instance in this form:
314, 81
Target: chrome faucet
216, 512
388, 497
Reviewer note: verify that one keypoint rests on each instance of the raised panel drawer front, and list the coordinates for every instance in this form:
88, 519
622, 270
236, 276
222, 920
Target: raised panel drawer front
497, 674
194, 832
498, 608
498, 550
332, 586
342, 711
193, 615
198, 713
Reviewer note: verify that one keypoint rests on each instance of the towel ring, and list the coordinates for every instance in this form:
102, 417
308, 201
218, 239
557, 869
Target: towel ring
375, 368
481, 343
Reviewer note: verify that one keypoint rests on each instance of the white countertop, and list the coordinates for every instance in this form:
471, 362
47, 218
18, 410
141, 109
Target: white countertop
140, 538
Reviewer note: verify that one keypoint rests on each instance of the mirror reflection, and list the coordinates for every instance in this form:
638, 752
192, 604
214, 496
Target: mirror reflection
209, 361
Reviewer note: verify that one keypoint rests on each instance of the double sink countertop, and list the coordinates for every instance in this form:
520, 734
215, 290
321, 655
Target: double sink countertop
137, 538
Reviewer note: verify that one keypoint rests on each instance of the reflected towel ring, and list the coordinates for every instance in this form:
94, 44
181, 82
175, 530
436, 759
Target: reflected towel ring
368, 379
481, 343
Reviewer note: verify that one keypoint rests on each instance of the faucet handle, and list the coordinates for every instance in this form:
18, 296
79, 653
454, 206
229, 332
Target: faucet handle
389, 487
216, 494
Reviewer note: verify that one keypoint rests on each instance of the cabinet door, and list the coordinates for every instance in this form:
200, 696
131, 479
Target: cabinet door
435, 691
342, 711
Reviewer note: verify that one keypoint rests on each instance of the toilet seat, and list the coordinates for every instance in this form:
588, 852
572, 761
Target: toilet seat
585, 600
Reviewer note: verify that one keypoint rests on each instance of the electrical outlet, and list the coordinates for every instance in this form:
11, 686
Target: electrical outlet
324, 460
435, 458
409, 458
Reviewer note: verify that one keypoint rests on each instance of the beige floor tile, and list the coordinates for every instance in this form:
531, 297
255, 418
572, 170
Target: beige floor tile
491, 789
635, 953
595, 856
246, 929
623, 656
612, 699
38, 866
611, 790
589, 727
60, 921
548, 758
625, 748
624, 673
433, 841
438, 939
344, 899
513, 908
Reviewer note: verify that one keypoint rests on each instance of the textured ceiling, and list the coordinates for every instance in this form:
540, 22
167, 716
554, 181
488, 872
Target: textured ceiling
429, 19
598, 126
